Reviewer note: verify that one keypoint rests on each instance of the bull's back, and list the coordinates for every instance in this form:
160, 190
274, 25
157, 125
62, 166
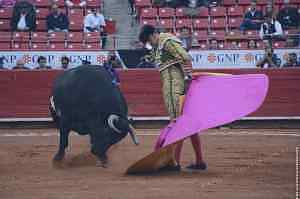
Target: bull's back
88, 90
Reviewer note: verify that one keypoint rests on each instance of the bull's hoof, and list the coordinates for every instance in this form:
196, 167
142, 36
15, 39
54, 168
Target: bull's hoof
58, 157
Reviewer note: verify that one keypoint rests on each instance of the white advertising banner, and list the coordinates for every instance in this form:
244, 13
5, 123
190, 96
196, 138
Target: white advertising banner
53, 57
234, 58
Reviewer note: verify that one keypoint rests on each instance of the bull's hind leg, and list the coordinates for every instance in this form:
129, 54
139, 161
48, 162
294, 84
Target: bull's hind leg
63, 143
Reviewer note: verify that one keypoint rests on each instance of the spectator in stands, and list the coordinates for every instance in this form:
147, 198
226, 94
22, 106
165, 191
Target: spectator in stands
57, 21
186, 38
7, 3
252, 44
2, 63
95, 22
23, 17
292, 61
271, 29
269, 60
213, 44
252, 19
110, 65
42, 63
288, 16
20, 65
72, 3
131, 5
65, 62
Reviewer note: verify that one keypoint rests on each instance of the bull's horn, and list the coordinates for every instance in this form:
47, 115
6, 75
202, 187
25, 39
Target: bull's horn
132, 133
111, 120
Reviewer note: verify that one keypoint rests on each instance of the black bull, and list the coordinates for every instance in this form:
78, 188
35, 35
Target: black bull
85, 100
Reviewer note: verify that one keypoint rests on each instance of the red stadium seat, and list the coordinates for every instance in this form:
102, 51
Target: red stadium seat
39, 37
260, 44
74, 37
228, 3
166, 23
21, 37
235, 12
245, 2
234, 22
76, 24
180, 23
93, 37
279, 44
41, 25
252, 34
262, 2
6, 13
4, 24
292, 32
243, 45
166, 12
93, 46
179, 13
56, 46
93, 3
143, 3
218, 23
42, 13
5, 36
217, 34
75, 12
148, 13
57, 37
218, 12
5, 45
203, 12
200, 35
39, 46
75, 46
149, 22
234, 35
20, 46
201, 23
42, 3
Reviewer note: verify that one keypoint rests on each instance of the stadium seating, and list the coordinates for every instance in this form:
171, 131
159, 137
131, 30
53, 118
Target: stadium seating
166, 12
4, 25
180, 23
148, 13
152, 22
5, 13
218, 12
166, 24
235, 23
218, 23
203, 12
235, 12
42, 13
201, 24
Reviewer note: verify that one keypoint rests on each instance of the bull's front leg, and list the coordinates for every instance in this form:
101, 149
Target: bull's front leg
63, 144
99, 147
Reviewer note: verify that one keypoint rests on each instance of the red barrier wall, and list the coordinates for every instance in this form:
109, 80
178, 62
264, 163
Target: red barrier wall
25, 94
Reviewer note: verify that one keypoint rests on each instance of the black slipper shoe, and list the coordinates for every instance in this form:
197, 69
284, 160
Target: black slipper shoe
201, 166
171, 168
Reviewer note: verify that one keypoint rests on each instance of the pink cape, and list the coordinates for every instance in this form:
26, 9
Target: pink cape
212, 101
